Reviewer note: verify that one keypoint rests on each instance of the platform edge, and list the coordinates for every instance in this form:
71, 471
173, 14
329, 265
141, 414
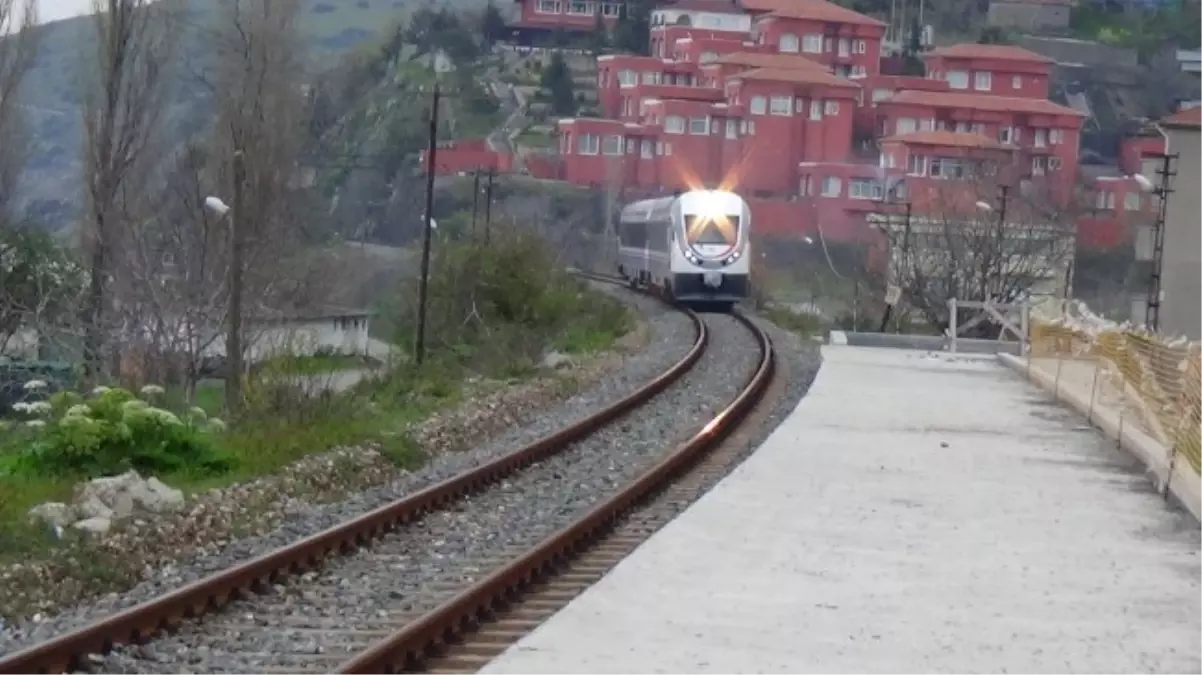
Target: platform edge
1184, 484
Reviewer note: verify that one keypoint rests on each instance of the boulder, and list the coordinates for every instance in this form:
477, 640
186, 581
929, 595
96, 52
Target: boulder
557, 361
56, 514
126, 494
94, 526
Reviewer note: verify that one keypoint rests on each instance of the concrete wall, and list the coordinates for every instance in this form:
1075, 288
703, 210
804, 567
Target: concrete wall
1181, 280
343, 335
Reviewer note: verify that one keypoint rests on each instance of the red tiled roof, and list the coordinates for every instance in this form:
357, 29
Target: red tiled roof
717, 6
796, 76
1000, 52
953, 139
817, 10
778, 61
1191, 118
940, 99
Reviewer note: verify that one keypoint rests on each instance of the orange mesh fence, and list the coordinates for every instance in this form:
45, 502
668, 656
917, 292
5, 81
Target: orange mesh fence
1150, 381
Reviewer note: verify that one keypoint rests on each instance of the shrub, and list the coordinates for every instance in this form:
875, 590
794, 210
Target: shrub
109, 432
499, 306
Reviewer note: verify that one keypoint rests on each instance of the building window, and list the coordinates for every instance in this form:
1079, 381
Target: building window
759, 105
829, 45
816, 110
1056, 136
580, 7
630, 146
957, 79
708, 57
1039, 165
948, 168
1016, 82
879, 95
811, 44
1104, 200
1006, 135
1132, 201
917, 165
699, 126
650, 78
789, 43
732, 129
983, 80
1053, 163
806, 187
1041, 138
832, 186
864, 188
587, 144
747, 127
612, 145
610, 9
548, 7
830, 107
673, 124
627, 78
799, 106
659, 148
861, 47
906, 125
858, 72
667, 149
781, 106
926, 125
645, 151
844, 47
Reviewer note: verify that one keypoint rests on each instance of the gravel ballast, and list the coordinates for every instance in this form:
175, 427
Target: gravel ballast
314, 624
670, 334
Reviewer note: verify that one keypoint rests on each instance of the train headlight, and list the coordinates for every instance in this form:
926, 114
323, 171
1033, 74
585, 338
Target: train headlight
691, 257
733, 257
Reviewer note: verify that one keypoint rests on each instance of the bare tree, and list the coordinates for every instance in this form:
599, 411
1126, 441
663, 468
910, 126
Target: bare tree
978, 240
260, 102
125, 91
18, 50
172, 281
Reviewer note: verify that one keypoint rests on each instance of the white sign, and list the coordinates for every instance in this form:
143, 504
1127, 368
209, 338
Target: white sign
892, 294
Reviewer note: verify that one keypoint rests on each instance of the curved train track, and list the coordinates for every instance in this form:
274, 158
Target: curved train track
451, 633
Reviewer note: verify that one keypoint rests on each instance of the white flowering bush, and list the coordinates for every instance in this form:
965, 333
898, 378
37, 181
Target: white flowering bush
111, 431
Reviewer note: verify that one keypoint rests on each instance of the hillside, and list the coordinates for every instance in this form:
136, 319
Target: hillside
332, 27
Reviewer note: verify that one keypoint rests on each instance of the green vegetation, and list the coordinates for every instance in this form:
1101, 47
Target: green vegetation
494, 310
1145, 29
315, 364
557, 82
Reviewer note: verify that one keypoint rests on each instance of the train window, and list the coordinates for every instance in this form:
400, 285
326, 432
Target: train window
720, 230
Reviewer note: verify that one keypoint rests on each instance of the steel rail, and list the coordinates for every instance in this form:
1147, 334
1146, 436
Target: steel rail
166, 612
405, 650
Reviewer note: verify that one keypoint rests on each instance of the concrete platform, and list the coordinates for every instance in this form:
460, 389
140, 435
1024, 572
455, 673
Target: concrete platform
917, 513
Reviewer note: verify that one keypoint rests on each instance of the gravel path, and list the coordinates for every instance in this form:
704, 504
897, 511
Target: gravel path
314, 624
671, 336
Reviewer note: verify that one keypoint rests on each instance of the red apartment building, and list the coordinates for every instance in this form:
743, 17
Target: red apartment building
538, 20
784, 100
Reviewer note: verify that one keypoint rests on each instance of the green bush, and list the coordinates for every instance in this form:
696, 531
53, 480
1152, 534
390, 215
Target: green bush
497, 307
109, 432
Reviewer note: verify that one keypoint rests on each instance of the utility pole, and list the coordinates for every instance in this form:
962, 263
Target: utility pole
419, 347
488, 206
233, 339
905, 261
475, 199
1166, 173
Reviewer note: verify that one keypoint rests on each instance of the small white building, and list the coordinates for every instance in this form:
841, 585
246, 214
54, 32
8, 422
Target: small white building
332, 330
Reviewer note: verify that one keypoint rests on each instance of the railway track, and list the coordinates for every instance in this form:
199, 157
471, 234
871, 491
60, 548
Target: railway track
263, 596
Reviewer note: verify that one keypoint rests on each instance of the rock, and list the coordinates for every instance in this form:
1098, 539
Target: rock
122, 496
557, 361
56, 514
166, 498
96, 526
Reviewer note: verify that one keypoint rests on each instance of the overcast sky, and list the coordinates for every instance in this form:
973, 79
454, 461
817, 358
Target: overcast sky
53, 10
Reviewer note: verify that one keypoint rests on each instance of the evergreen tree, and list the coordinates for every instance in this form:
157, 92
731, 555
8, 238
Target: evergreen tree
492, 25
557, 81
599, 39
632, 32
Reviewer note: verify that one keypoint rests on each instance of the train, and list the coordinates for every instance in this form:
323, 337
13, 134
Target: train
693, 248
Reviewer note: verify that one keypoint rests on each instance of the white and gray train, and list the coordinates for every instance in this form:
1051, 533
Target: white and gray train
693, 248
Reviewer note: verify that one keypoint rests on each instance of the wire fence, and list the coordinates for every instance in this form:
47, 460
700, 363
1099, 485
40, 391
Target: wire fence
1151, 382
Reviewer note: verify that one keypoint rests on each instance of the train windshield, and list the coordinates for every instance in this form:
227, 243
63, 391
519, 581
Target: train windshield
721, 230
